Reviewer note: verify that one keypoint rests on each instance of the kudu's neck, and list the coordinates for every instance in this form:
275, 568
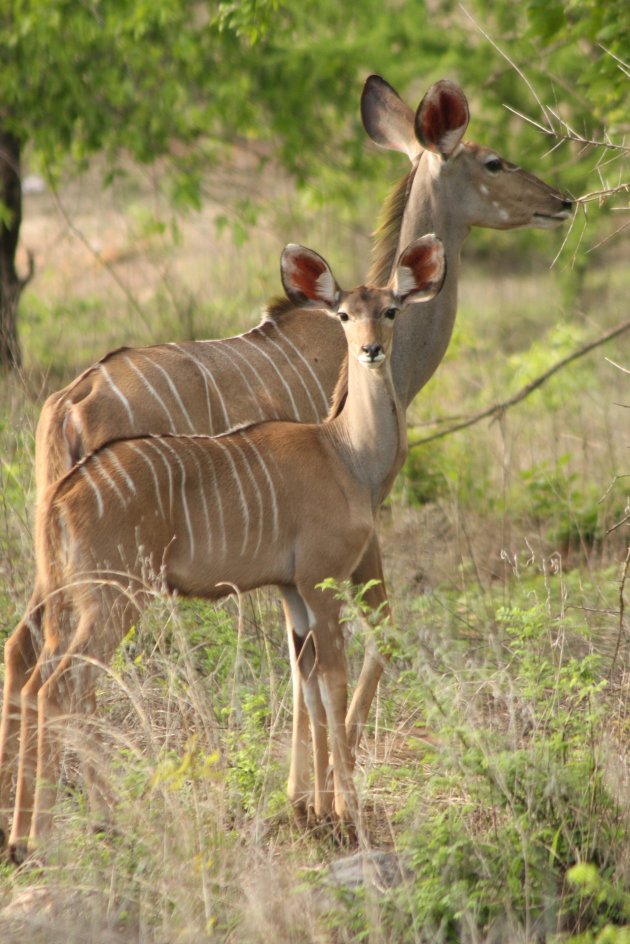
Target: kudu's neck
369, 434
422, 336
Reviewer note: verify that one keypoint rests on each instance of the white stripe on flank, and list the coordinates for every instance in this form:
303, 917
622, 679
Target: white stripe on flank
296, 350
272, 490
174, 390
117, 391
275, 367
119, 468
136, 448
208, 373
259, 499
241, 493
229, 352
99, 499
152, 391
203, 371
175, 454
96, 459
155, 444
207, 455
202, 491
293, 368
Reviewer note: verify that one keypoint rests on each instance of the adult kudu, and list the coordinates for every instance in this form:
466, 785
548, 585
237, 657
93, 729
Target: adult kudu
192, 513
287, 368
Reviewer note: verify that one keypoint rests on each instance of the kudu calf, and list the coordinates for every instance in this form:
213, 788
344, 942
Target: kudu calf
275, 503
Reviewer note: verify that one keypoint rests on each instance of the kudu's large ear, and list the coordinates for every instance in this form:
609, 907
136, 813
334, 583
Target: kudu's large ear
386, 118
420, 271
307, 278
442, 118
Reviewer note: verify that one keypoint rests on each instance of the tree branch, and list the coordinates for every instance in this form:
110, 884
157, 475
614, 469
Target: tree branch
498, 409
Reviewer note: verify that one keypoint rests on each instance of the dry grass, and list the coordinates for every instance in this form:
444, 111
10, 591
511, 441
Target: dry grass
193, 731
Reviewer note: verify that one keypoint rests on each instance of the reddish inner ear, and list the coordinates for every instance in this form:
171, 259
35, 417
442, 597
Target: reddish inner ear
444, 112
306, 271
425, 264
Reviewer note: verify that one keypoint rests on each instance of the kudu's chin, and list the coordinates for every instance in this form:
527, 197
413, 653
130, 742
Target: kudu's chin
370, 363
550, 221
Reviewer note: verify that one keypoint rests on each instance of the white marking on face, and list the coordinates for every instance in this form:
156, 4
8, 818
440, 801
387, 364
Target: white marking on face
483, 189
99, 499
152, 391
123, 399
371, 362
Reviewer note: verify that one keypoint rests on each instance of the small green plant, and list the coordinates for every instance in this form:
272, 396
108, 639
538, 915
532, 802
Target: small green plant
573, 513
515, 795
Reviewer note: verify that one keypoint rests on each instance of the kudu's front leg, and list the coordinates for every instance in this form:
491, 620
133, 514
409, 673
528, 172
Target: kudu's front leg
325, 682
298, 787
369, 569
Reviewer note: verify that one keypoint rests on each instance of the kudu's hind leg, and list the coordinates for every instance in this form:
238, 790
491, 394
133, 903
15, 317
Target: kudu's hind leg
92, 754
69, 691
329, 675
27, 765
21, 651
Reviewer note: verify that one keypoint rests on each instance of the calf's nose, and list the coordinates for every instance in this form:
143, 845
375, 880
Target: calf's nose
372, 350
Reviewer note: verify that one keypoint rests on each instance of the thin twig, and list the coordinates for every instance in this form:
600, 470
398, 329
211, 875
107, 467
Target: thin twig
622, 607
498, 409
74, 229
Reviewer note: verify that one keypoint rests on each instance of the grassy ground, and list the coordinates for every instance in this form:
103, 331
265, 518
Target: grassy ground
495, 765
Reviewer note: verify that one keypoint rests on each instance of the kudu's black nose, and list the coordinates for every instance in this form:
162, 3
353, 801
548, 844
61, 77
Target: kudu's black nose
372, 350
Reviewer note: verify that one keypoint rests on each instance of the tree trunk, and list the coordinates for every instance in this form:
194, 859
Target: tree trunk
11, 285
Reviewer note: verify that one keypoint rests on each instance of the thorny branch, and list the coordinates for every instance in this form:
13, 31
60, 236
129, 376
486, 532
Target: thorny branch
498, 409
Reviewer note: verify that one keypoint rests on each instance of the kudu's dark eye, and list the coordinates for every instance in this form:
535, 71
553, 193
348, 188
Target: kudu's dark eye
494, 165
344, 316
391, 313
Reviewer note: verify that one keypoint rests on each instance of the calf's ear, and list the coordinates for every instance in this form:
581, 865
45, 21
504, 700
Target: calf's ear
307, 279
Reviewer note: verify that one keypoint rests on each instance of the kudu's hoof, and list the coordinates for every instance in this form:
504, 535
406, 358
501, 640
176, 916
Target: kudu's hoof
304, 813
18, 852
